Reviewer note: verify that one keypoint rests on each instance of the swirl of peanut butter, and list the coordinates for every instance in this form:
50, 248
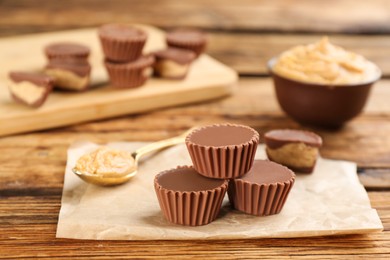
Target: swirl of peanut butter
325, 63
106, 161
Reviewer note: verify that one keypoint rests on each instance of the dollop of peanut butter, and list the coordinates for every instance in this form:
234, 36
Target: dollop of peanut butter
106, 161
325, 63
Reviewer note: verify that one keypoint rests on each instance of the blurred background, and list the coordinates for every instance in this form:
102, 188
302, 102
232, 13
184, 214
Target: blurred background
243, 34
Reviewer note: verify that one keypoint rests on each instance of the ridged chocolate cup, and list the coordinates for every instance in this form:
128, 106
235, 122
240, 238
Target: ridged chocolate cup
192, 40
260, 199
190, 208
119, 46
131, 74
223, 161
320, 104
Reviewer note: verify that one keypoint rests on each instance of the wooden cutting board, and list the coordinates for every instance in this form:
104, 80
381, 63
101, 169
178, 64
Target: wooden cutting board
207, 79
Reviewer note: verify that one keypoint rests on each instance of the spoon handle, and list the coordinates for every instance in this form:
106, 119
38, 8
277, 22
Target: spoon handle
160, 145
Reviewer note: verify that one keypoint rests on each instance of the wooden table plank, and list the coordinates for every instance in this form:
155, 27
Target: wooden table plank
31, 222
349, 16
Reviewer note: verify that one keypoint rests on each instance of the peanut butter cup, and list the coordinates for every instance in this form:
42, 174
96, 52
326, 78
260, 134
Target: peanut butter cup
263, 190
189, 39
67, 50
173, 63
296, 149
222, 151
122, 43
131, 74
31, 89
69, 73
188, 198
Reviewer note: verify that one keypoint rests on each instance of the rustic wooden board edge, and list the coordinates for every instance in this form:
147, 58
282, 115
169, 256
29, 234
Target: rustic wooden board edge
25, 124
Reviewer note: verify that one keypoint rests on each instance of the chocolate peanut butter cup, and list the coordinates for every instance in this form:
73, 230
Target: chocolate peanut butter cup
222, 151
296, 149
173, 63
121, 43
188, 198
67, 50
263, 190
31, 89
192, 40
69, 73
130, 74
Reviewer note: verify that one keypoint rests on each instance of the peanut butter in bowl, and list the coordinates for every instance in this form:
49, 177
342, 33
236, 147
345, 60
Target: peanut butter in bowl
326, 64
322, 84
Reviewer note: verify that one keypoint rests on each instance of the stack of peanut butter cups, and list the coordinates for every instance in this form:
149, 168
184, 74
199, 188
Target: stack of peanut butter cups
68, 65
223, 157
122, 46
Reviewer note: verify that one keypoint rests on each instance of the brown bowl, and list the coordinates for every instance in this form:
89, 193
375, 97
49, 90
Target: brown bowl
318, 104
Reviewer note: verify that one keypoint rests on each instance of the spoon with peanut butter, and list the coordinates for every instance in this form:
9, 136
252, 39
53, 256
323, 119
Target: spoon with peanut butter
107, 166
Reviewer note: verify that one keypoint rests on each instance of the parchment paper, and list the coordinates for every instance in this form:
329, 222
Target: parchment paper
329, 201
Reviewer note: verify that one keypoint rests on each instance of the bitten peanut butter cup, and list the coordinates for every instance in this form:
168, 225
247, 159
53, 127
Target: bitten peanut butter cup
263, 190
130, 74
122, 43
222, 151
296, 149
67, 50
192, 40
30, 88
188, 198
173, 63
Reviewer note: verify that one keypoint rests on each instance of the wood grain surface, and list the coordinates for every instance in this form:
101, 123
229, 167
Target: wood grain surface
243, 34
338, 16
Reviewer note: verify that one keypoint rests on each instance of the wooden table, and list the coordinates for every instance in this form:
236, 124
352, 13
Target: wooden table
244, 35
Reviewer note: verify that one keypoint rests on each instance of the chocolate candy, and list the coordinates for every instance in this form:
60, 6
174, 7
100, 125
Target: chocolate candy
173, 63
222, 150
121, 43
263, 190
67, 50
131, 74
31, 89
69, 73
187, 198
192, 40
295, 149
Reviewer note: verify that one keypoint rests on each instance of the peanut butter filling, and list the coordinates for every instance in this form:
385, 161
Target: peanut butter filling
106, 161
171, 69
325, 63
67, 79
27, 91
147, 72
298, 155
